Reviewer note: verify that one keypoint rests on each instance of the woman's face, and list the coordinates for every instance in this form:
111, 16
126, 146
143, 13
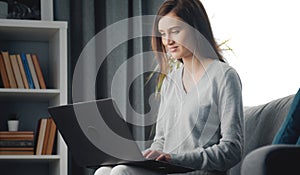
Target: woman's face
175, 36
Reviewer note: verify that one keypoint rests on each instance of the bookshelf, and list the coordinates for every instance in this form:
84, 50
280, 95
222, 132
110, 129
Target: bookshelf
48, 39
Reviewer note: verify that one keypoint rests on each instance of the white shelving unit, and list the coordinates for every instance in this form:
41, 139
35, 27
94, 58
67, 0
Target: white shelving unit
48, 39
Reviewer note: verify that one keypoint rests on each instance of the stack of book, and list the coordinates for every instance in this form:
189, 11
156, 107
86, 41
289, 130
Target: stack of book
16, 142
21, 71
46, 136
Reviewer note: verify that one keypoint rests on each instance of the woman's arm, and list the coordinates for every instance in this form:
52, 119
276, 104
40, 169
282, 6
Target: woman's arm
228, 151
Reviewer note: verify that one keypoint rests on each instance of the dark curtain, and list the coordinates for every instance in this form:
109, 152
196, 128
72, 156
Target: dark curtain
85, 19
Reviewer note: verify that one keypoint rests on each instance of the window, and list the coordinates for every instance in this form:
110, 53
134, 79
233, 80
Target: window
264, 36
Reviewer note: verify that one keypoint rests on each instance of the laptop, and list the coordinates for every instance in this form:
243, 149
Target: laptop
97, 135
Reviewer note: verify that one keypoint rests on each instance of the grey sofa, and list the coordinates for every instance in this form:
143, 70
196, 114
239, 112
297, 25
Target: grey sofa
261, 125
272, 160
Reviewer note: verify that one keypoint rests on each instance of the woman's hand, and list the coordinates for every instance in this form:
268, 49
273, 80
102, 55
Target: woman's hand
157, 155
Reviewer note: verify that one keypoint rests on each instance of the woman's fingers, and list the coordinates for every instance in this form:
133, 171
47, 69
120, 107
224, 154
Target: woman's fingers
147, 153
164, 157
160, 157
152, 154
157, 155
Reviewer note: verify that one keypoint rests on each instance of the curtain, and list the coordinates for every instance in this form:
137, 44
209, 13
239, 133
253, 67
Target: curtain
86, 18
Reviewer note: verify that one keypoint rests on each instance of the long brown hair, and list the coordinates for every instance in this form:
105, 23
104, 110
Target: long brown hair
193, 13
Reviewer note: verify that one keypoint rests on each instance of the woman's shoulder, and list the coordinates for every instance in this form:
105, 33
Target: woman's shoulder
224, 72
224, 68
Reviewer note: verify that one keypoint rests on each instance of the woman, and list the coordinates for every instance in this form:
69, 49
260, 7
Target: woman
200, 119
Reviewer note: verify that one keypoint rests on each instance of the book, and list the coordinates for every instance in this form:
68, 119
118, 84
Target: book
3, 73
27, 71
38, 70
9, 71
16, 143
41, 136
51, 138
16, 70
32, 71
16, 148
16, 152
16, 132
22, 70
47, 132
16, 135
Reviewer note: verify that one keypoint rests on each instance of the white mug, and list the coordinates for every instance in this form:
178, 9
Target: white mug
13, 125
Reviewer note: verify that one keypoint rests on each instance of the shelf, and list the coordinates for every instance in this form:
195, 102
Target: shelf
28, 94
47, 39
29, 157
29, 30
37, 158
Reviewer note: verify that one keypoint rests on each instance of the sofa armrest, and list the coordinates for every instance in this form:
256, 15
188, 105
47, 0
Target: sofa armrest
272, 159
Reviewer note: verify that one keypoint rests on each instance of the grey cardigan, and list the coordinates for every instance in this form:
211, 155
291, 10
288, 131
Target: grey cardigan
203, 128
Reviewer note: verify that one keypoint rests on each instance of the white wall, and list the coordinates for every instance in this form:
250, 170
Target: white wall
265, 37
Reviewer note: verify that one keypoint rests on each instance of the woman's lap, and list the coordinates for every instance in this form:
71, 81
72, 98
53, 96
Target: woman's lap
130, 170
124, 170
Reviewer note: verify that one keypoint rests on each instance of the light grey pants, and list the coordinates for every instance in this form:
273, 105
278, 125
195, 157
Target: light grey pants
129, 170
124, 170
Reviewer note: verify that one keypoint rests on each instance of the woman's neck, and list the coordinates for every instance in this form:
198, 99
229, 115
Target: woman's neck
194, 68
192, 65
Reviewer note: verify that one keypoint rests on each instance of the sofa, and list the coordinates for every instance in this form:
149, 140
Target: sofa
260, 155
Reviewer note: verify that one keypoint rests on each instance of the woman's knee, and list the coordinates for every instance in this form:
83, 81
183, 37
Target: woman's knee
117, 170
130, 170
103, 171
120, 170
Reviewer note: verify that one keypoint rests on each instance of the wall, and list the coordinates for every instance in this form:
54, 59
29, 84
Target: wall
265, 38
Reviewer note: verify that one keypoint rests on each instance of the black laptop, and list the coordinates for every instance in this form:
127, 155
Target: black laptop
97, 135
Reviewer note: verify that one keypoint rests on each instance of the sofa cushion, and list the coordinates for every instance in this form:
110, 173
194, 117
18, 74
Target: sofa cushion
290, 129
262, 123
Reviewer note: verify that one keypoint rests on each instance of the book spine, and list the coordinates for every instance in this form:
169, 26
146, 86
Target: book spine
38, 70
16, 148
27, 71
22, 70
41, 136
32, 71
16, 70
10, 74
51, 137
16, 143
46, 139
16, 132
16, 152
16, 137
3, 73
